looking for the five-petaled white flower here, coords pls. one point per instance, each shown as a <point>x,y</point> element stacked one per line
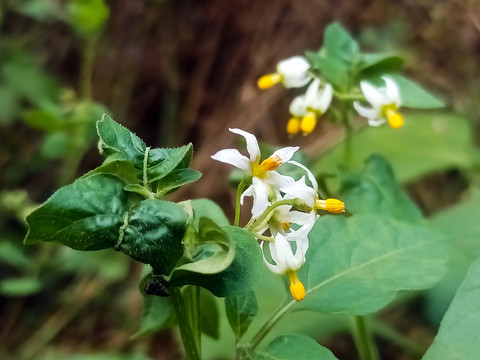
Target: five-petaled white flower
<point>291,72</point>
<point>287,261</point>
<point>306,108</point>
<point>385,102</point>
<point>263,173</point>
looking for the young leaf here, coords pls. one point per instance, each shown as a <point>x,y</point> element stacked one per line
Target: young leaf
<point>294,347</point>
<point>375,191</point>
<point>335,72</point>
<point>152,233</point>
<point>162,162</point>
<point>338,44</point>
<point>241,310</point>
<point>357,265</point>
<point>156,311</point>
<point>85,215</point>
<point>457,337</point>
<point>23,286</point>
<point>175,179</point>
<point>220,275</point>
<point>120,168</point>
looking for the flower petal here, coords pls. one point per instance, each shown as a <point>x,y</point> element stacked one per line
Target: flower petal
<point>376,122</point>
<point>285,153</point>
<point>233,157</point>
<point>252,144</point>
<point>392,90</point>
<point>260,197</point>
<point>294,71</point>
<point>309,174</point>
<point>278,181</point>
<point>325,98</point>
<point>298,107</point>
<point>366,112</point>
<point>373,95</point>
<point>273,268</point>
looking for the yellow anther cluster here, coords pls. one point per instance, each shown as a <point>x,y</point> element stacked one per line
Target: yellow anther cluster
<point>308,124</point>
<point>296,287</point>
<point>293,126</point>
<point>334,206</point>
<point>271,163</point>
<point>267,81</point>
<point>286,226</point>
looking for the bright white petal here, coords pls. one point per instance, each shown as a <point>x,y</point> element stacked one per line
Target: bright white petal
<point>366,112</point>
<point>233,157</point>
<point>392,90</point>
<point>376,122</point>
<point>312,93</point>
<point>278,181</point>
<point>260,197</point>
<point>249,192</point>
<point>300,190</point>
<point>295,217</point>
<point>298,107</point>
<point>273,268</point>
<point>252,144</point>
<point>294,71</point>
<point>373,95</point>
<point>285,153</point>
<point>309,174</point>
<point>325,98</point>
<point>304,230</point>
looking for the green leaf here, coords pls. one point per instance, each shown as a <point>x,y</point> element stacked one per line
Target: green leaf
<point>57,145</point>
<point>162,162</point>
<point>87,16</point>
<point>177,178</point>
<point>9,105</point>
<point>357,265</point>
<point>241,310</point>
<point>457,337</point>
<point>338,44</point>
<point>209,315</point>
<point>86,215</point>
<point>152,234</point>
<point>375,191</point>
<point>156,311</point>
<point>120,168</point>
<point>14,255</point>
<point>20,286</point>
<point>208,209</point>
<point>460,228</point>
<point>239,276</point>
<point>47,120</point>
<point>294,347</point>
<point>384,62</point>
<point>436,142</point>
<point>335,72</point>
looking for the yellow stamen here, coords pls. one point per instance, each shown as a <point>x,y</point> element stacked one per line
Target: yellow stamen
<point>394,118</point>
<point>286,226</point>
<point>267,81</point>
<point>308,123</point>
<point>271,163</point>
<point>334,206</point>
<point>296,287</point>
<point>293,126</point>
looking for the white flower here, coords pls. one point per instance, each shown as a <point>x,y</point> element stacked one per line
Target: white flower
<point>306,108</point>
<point>287,261</point>
<point>309,194</point>
<point>385,102</point>
<point>292,72</point>
<point>263,174</point>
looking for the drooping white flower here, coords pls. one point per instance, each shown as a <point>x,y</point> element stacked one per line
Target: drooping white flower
<point>306,108</point>
<point>309,194</point>
<point>288,261</point>
<point>263,173</point>
<point>384,101</point>
<point>291,72</point>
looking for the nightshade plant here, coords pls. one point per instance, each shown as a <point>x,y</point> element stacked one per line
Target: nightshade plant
<point>352,263</point>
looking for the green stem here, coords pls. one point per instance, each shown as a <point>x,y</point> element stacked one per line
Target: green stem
<point>265,329</point>
<point>364,340</point>
<point>86,71</point>
<point>266,213</point>
<point>348,135</point>
<point>188,337</point>
<point>241,187</point>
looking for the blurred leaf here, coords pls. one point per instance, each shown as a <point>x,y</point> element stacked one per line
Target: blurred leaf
<point>86,215</point>
<point>335,72</point>
<point>241,310</point>
<point>87,17</point>
<point>176,179</point>
<point>153,234</point>
<point>239,276</point>
<point>357,265</point>
<point>14,255</point>
<point>294,347</point>
<point>20,286</point>
<point>457,336</point>
<point>38,9</point>
<point>57,145</point>
<point>375,191</point>
<point>208,209</point>
<point>209,316</point>
<point>338,44</point>
<point>9,105</point>
<point>102,357</point>
<point>436,142</point>
<point>156,312</point>
<point>41,119</point>
<point>383,62</point>
<point>460,227</point>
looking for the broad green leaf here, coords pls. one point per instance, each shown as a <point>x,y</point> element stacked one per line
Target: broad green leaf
<point>57,145</point>
<point>14,255</point>
<point>156,311</point>
<point>383,62</point>
<point>338,44</point>
<point>335,72</point>
<point>87,16</point>
<point>85,215</point>
<point>375,191</point>
<point>457,337</point>
<point>20,286</point>
<point>120,168</point>
<point>460,227</point>
<point>152,233</point>
<point>425,144</point>
<point>207,208</point>
<point>241,310</point>
<point>41,119</point>
<point>357,265</point>
<point>163,161</point>
<point>239,276</point>
<point>177,178</point>
<point>294,347</point>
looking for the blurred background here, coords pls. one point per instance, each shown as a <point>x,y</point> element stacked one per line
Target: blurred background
<point>175,72</point>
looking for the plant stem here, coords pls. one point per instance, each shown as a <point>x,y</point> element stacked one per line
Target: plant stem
<point>188,337</point>
<point>363,340</point>
<point>86,71</point>
<point>240,189</point>
<point>266,213</point>
<point>265,329</point>
<point>348,135</point>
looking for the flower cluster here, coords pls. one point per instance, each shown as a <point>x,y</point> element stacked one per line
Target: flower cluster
<point>284,209</point>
